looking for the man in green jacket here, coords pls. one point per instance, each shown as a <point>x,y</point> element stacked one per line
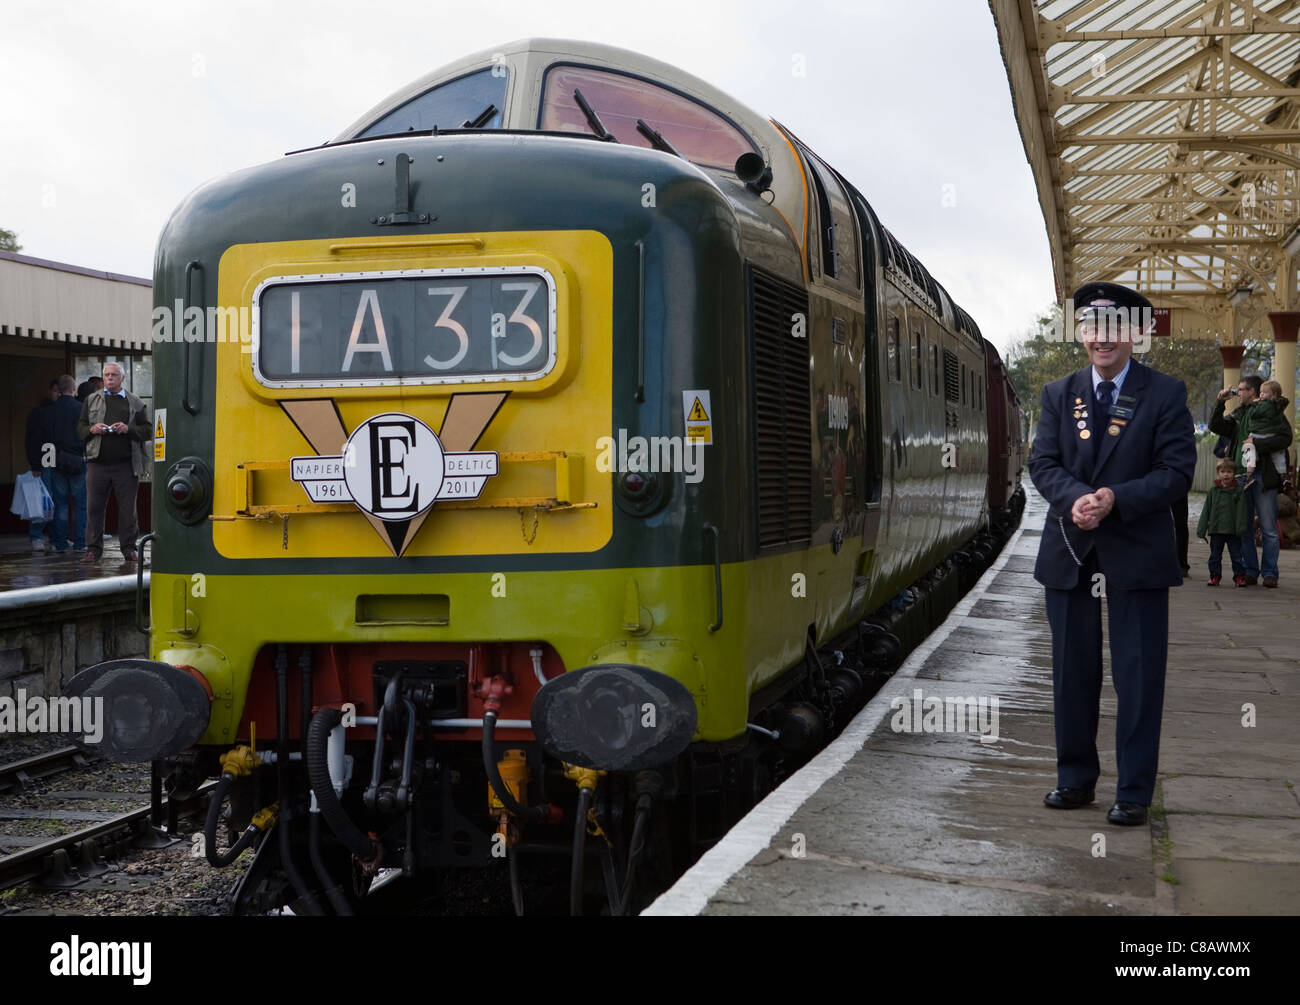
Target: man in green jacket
<point>116,428</point>
<point>1261,494</point>
<point>1223,518</point>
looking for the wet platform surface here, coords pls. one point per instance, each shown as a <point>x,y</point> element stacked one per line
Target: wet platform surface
<point>21,568</point>
<point>886,822</point>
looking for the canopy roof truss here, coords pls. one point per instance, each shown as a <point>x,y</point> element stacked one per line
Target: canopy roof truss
<point>1164,136</point>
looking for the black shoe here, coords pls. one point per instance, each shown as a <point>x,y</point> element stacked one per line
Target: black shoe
<point>1127,814</point>
<point>1068,799</point>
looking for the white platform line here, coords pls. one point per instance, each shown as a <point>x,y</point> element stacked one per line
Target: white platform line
<point>696,887</point>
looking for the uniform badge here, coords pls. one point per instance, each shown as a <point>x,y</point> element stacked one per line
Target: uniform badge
<point>1082,424</point>
<point>1113,430</point>
<point>1084,434</point>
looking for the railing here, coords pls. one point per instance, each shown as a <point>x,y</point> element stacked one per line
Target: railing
<point>567,468</point>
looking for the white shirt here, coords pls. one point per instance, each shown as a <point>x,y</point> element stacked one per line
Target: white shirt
<point>1117,380</point>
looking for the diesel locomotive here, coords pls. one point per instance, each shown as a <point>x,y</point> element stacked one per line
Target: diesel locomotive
<point>548,463</point>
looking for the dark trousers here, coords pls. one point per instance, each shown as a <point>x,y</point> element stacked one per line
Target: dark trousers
<point>1139,640</point>
<point>67,488</point>
<point>120,479</point>
<point>1179,510</point>
<point>1217,541</point>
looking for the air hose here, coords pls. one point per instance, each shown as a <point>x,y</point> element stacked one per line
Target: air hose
<point>335,895</point>
<point>306,898</point>
<point>213,820</point>
<point>318,773</point>
<point>576,872</point>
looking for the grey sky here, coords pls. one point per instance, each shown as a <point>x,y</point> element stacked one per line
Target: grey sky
<point>111,112</point>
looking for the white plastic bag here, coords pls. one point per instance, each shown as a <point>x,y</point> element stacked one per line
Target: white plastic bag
<point>32,500</point>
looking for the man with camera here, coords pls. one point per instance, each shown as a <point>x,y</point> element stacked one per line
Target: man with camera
<point>115,427</point>
<point>1261,490</point>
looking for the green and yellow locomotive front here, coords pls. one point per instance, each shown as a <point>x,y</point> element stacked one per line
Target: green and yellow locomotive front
<point>448,459</point>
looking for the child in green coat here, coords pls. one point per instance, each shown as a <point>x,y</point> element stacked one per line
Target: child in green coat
<point>1269,419</point>
<point>1223,517</point>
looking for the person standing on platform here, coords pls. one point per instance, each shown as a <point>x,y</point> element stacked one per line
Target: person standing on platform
<point>115,428</point>
<point>40,423</point>
<point>1250,424</point>
<point>1273,423</point>
<point>1113,453</point>
<point>1223,521</point>
<point>67,478</point>
<point>88,387</point>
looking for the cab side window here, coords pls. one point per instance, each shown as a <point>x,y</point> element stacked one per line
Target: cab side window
<point>918,365</point>
<point>837,242</point>
<point>893,352</point>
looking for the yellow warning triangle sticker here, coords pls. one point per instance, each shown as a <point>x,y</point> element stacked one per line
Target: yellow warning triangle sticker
<point>698,414</point>
<point>159,431</point>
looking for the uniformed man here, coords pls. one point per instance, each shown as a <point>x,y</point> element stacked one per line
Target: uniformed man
<point>1114,450</point>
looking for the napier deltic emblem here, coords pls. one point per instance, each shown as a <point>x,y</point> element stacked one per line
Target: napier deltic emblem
<point>394,467</point>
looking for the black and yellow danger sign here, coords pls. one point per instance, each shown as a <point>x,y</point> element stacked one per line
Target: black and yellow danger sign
<point>698,416</point>
<point>160,435</point>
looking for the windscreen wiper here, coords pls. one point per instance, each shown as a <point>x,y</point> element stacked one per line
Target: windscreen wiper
<point>593,119</point>
<point>480,120</point>
<point>656,138</point>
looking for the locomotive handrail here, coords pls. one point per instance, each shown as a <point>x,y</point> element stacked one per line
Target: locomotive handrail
<point>194,265</point>
<point>640,320</point>
<point>140,546</point>
<point>709,529</point>
<point>246,508</point>
<point>422,243</point>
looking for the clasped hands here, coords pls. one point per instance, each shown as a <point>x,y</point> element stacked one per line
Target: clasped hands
<point>1091,509</point>
<point>100,428</point>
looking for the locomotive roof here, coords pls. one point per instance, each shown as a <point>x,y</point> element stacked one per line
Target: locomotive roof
<point>527,61</point>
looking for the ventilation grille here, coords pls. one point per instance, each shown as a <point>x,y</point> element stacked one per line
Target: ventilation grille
<point>781,409</point>
<point>951,379</point>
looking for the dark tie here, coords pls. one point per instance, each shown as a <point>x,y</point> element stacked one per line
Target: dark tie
<point>1102,412</point>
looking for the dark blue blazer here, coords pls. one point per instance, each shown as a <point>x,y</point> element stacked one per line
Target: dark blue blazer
<point>1148,466</point>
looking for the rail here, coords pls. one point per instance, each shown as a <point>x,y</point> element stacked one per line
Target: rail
<point>17,775</point>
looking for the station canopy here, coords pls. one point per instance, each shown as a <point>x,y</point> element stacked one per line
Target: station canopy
<point>1163,139</point>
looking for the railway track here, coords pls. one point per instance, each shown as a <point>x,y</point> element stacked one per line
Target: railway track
<point>19,775</point>
<point>70,859</point>
<point>76,859</point>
